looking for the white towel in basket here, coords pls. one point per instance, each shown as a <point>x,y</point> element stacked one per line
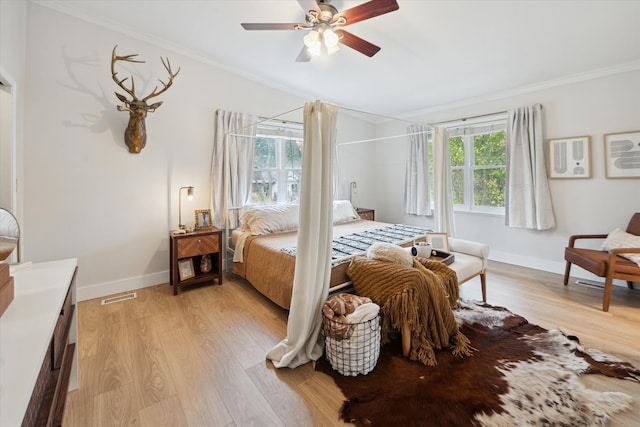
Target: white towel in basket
<point>359,353</point>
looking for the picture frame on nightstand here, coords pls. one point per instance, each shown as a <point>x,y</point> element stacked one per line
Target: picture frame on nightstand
<point>185,269</point>
<point>203,219</point>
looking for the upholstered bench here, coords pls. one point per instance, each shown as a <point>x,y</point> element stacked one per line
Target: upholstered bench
<point>470,261</point>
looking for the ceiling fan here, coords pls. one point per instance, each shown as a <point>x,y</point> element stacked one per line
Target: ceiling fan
<point>324,23</point>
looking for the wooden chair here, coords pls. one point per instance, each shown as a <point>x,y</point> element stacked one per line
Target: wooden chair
<point>605,264</point>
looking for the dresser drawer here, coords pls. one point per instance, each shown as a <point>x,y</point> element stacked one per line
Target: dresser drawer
<point>61,332</point>
<point>198,245</point>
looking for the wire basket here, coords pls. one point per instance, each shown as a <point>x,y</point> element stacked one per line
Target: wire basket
<point>352,348</point>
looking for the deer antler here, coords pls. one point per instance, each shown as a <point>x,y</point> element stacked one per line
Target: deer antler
<point>135,136</point>
<point>167,66</point>
<point>114,75</point>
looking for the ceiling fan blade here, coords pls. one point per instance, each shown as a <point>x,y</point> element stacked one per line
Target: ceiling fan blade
<point>355,42</point>
<point>272,26</point>
<point>309,5</point>
<point>367,10</point>
<point>304,55</point>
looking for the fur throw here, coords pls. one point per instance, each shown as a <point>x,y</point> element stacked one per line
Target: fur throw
<point>390,252</point>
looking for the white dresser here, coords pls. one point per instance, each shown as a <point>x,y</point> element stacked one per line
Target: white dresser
<point>38,332</point>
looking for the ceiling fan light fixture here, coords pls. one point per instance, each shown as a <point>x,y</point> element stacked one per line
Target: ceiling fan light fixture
<point>330,38</point>
<point>332,49</point>
<point>316,48</point>
<point>312,38</point>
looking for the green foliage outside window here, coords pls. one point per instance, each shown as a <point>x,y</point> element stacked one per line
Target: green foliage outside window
<point>486,169</point>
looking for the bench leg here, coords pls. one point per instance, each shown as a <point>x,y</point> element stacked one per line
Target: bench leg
<point>406,339</point>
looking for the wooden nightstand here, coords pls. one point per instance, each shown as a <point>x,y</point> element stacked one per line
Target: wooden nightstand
<point>366,213</point>
<point>188,249</point>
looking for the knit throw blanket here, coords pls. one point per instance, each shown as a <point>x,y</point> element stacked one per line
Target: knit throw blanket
<point>421,297</point>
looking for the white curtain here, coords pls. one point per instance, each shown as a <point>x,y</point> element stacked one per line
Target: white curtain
<point>442,184</point>
<point>231,164</point>
<point>528,199</point>
<point>313,262</point>
<point>417,199</point>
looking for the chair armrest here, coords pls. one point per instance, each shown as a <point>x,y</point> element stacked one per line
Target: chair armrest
<point>575,237</point>
<point>613,255</point>
<point>468,247</point>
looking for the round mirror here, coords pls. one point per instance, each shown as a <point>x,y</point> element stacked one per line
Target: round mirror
<point>9,233</point>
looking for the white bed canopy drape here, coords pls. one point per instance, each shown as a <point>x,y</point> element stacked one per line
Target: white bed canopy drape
<point>443,187</point>
<point>313,262</point>
<point>527,198</point>
<point>231,165</point>
<point>417,195</point>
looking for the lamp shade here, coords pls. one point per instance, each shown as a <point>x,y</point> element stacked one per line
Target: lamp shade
<point>189,189</point>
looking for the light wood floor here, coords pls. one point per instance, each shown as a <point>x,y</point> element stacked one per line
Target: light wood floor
<point>198,359</point>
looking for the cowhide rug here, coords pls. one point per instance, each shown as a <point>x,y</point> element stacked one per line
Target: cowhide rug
<point>521,374</point>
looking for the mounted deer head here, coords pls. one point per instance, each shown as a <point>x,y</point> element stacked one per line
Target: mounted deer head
<point>136,134</point>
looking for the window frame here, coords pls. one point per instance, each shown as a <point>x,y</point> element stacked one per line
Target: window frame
<point>468,134</point>
<point>282,132</point>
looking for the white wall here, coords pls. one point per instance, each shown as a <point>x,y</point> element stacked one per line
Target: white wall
<point>13,18</point>
<point>590,107</point>
<point>86,196</point>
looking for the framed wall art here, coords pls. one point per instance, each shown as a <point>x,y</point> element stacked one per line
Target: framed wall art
<point>570,157</point>
<point>185,269</point>
<point>622,154</point>
<point>203,218</point>
<point>439,241</point>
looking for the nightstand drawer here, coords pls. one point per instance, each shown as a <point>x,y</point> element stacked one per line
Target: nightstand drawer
<point>200,245</point>
<point>368,214</point>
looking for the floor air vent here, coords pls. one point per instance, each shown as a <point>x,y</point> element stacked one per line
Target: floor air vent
<point>119,298</point>
<point>590,283</point>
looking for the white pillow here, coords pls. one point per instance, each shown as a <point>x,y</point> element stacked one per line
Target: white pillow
<point>343,211</point>
<point>621,239</point>
<point>265,219</point>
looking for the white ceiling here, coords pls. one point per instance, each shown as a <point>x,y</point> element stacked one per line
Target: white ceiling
<point>433,52</point>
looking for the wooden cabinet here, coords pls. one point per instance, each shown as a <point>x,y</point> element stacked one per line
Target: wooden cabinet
<point>38,339</point>
<point>365,213</point>
<point>188,250</point>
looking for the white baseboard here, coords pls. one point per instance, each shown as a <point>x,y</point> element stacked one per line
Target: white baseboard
<point>100,290</point>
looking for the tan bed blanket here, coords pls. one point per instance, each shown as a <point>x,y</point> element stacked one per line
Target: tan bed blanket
<point>421,297</point>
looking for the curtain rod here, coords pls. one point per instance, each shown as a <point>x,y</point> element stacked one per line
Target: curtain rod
<point>340,144</point>
<point>379,115</point>
<point>463,119</point>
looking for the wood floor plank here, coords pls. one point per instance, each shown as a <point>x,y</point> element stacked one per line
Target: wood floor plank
<point>195,390</point>
<point>115,407</point>
<point>166,413</point>
<point>151,377</point>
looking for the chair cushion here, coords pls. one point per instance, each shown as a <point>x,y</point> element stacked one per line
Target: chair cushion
<point>466,266</point>
<point>596,261</point>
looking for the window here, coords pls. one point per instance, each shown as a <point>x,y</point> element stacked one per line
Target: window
<point>277,163</point>
<point>478,167</point>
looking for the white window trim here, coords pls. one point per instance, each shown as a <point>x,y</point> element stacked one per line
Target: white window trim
<point>281,132</point>
<point>467,132</point>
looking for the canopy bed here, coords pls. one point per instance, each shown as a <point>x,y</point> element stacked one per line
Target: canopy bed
<point>302,283</point>
<point>264,246</point>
